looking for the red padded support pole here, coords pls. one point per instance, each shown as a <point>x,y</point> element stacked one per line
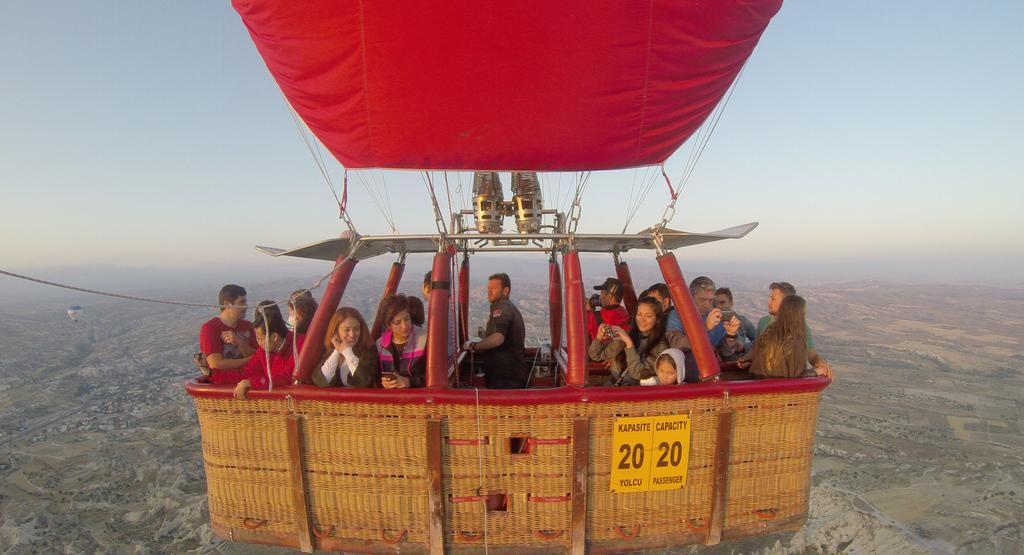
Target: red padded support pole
<point>437,321</point>
<point>693,324</point>
<point>575,327</point>
<point>464,301</point>
<point>555,304</point>
<point>394,278</point>
<point>313,349</point>
<point>628,292</point>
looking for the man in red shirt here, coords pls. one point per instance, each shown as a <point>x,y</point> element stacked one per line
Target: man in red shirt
<point>611,311</point>
<point>228,340</point>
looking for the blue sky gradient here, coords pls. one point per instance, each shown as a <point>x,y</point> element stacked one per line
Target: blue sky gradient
<point>870,139</point>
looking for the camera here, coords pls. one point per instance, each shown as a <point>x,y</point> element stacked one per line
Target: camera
<point>594,301</point>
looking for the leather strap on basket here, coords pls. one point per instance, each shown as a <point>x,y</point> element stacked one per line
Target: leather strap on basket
<point>547,499</point>
<point>486,440</point>
<point>470,536</point>
<point>466,498</point>
<point>392,540</point>
<point>548,535</point>
<point>320,534</point>
<point>253,523</point>
<point>696,525</point>
<point>766,514</point>
<point>625,536</point>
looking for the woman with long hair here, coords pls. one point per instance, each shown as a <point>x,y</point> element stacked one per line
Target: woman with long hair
<point>402,346</point>
<point>350,358</point>
<point>641,345</point>
<point>301,308</point>
<point>781,351</point>
<point>275,346</point>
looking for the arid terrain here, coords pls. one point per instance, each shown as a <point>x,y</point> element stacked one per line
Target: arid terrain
<point>919,439</point>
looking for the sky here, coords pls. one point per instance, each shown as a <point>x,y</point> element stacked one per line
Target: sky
<point>869,139</point>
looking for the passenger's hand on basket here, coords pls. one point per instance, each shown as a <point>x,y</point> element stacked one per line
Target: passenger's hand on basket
<point>240,389</point>
<point>823,368</point>
<point>200,361</point>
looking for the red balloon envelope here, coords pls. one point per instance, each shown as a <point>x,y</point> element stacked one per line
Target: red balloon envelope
<point>488,85</point>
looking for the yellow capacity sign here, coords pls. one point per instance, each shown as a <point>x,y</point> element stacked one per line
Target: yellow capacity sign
<point>650,453</point>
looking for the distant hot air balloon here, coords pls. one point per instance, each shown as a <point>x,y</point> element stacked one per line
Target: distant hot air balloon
<point>74,311</point>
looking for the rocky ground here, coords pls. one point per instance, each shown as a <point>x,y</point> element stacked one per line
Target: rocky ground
<point>919,439</point>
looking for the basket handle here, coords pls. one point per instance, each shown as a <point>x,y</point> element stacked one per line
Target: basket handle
<point>766,514</point>
<point>625,536</point>
<point>320,534</point>
<point>549,535</point>
<point>392,540</point>
<point>253,523</point>
<point>691,523</point>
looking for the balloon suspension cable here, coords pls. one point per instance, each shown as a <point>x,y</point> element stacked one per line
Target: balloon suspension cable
<point>311,288</point>
<point>313,146</point>
<point>637,197</point>
<point>703,137</point>
<point>438,217</point>
<point>670,210</point>
<point>343,203</point>
<point>379,198</point>
<point>577,209</point>
<point>448,194</point>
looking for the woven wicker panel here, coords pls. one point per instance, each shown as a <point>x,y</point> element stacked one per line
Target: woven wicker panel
<point>365,468</point>
<point>770,460</point>
<point>656,512</point>
<point>251,498</point>
<point>245,452</point>
<point>472,469</point>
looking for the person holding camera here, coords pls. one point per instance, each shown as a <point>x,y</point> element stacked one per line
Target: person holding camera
<point>606,307</point>
<point>633,354</point>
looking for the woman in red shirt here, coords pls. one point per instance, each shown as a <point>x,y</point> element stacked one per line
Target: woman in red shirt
<point>275,345</point>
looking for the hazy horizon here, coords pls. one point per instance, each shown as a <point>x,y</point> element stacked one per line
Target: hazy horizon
<point>200,283</point>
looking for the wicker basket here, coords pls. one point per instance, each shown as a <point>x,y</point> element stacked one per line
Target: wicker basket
<point>460,470</point>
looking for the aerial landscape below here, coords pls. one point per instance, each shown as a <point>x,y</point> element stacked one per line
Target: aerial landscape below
<point>918,446</point>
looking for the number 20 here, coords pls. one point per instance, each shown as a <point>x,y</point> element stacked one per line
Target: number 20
<point>631,454</point>
<point>674,454</point>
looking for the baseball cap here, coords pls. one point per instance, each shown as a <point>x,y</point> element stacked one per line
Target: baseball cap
<point>612,286</point>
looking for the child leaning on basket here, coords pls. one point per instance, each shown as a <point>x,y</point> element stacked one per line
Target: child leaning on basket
<point>350,357</point>
<point>667,368</point>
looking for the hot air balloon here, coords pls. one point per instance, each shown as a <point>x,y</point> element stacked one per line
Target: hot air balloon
<point>520,87</point>
<point>74,311</point>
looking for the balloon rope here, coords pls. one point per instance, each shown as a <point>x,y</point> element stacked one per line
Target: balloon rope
<point>698,151</point>
<point>315,285</point>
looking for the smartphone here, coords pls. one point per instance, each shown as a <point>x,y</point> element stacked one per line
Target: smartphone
<point>727,315</point>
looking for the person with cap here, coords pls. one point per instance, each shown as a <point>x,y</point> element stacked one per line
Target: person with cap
<point>606,308</point>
